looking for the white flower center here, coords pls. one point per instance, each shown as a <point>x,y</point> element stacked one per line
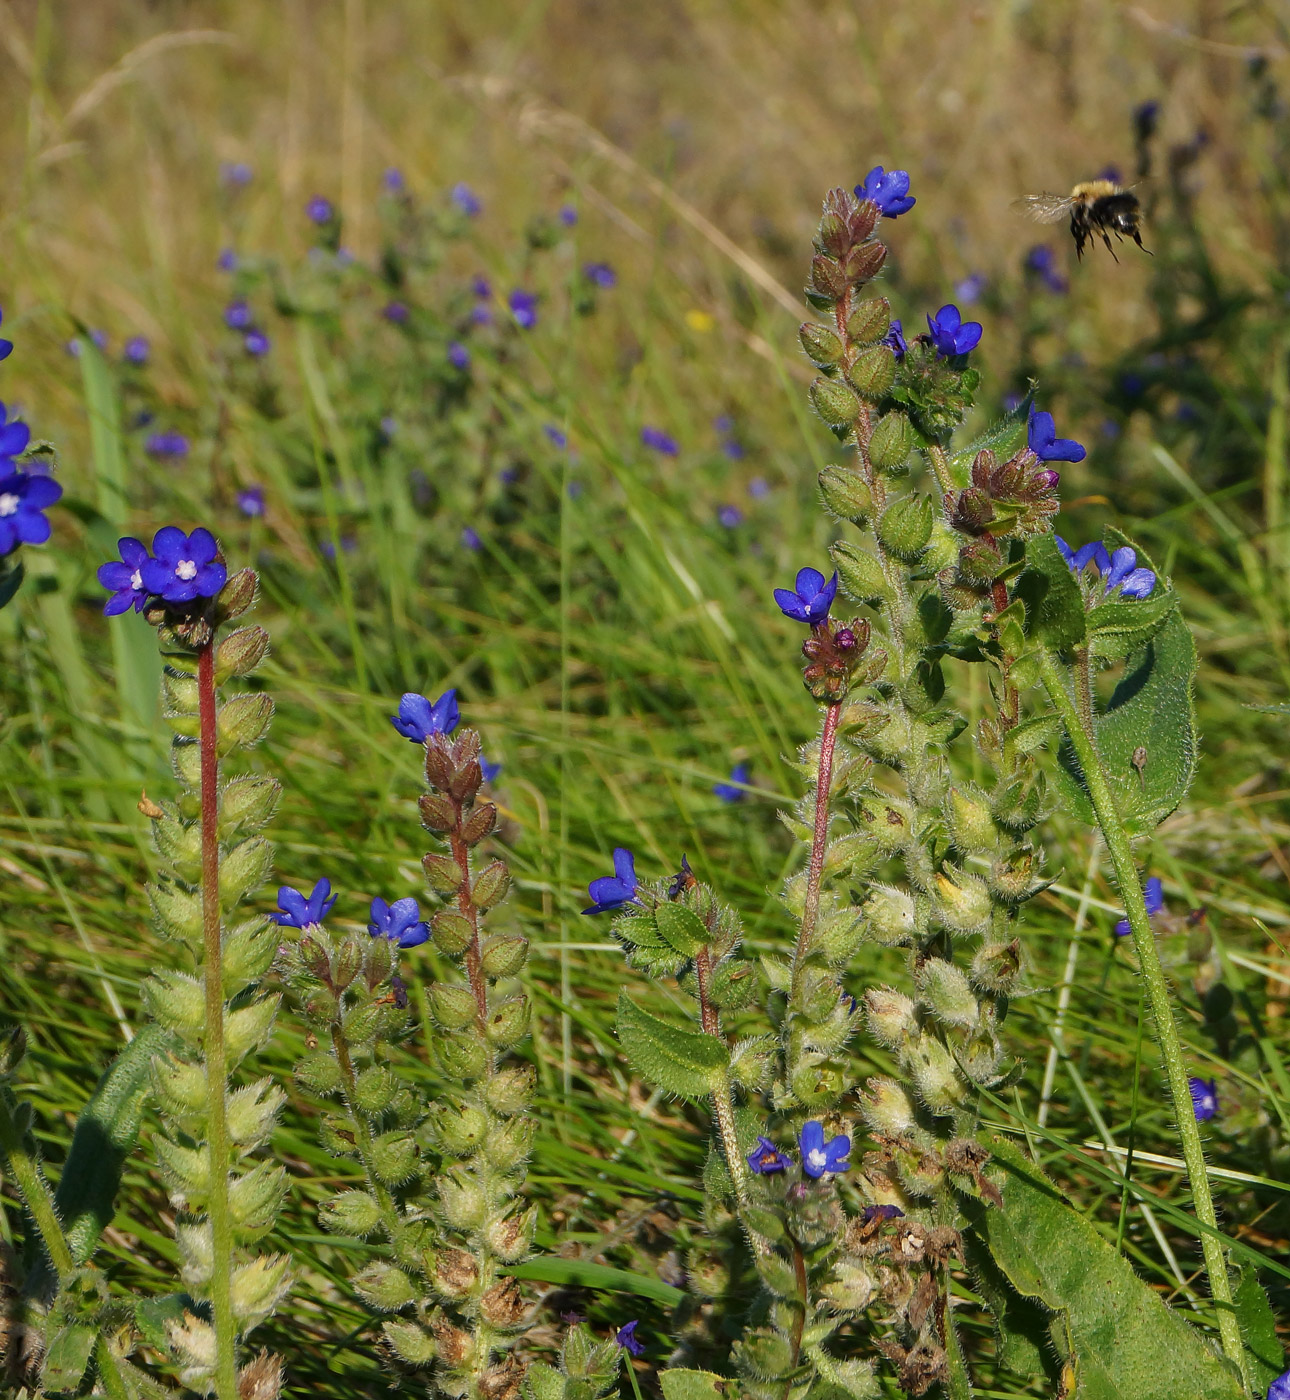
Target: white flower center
<point>186,570</point>
<point>818,1158</point>
<point>9,503</point>
<point>136,580</point>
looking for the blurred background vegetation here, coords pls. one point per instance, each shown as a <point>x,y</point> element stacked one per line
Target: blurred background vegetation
<point>603,605</point>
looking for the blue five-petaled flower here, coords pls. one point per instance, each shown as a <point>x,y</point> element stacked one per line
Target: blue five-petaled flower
<point>14,437</point>
<point>1042,439</point>
<point>627,1339</point>
<point>296,911</point>
<point>1120,570</point>
<point>1280,1388</point>
<point>23,501</point>
<point>889,190</point>
<point>611,892</point>
<point>1204,1098</point>
<point>766,1159</point>
<point>819,1156</point>
<point>123,578</point>
<point>895,340</point>
<point>418,718</point>
<point>810,597</point>
<point>733,790</point>
<point>1153,896</point>
<point>951,334</point>
<point>6,346</point>
<point>400,922</point>
<point>183,567</point>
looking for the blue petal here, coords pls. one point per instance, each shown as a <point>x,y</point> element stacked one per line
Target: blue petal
<point>790,604</point>
<point>625,866</point>
<point>1122,563</point>
<point>1139,584</point>
<point>809,582</point>
<point>1153,894</point>
<point>1063,450</point>
<point>1064,549</point>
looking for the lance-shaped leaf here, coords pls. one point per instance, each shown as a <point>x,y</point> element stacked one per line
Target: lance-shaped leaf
<point>682,928</point>
<point>67,1357</point>
<point>106,1132</point>
<point>1003,438</point>
<point>1054,605</point>
<point>1125,1343</point>
<point>1264,1359</point>
<point>681,1383</point>
<point>1146,736</point>
<point>687,1063</point>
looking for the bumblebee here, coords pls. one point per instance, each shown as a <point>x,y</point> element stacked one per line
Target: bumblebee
<point>1096,208</point>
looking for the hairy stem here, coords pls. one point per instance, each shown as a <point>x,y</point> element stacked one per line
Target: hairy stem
<point>109,1370</point>
<point>466,904</point>
<point>1153,976</point>
<point>216,1071</point>
<point>22,1164</point>
<point>363,1133</point>
<point>1084,689</point>
<point>939,460</point>
<point>723,1100</point>
<point>820,836</point>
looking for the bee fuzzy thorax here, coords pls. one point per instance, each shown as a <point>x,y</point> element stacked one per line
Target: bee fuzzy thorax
<point>1096,189</point>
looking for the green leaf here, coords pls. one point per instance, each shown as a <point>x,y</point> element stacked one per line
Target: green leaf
<point>1118,625</point>
<point>687,1063</point>
<point>1003,438</point>
<point>1022,1341</point>
<point>11,575</point>
<point>151,1316</point>
<point>1125,1343</point>
<point>106,1132</point>
<point>639,930</point>
<point>1264,1359</point>
<point>1152,709</point>
<point>580,1273</point>
<point>680,1383</point>
<point>67,1357</point>
<point>1054,605</point>
<point>682,928</point>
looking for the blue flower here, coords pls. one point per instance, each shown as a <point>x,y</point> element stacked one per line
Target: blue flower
<point>1042,261</point>
<point>895,338</point>
<point>458,355</point>
<point>14,437</point>
<point>889,190</point>
<point>250,501</point>
<point>320,210</point>
<point>730,516</point>
<point>600,274</point>
<point>183,567</point>
<point>951,334</point>
<point>465,199</point>
<point>1204,1098</point>
<point>1124,574</point>
<point>660,441</point>
<point>969,288</point>
<point>237,315</point>
<point>759,488</point>
<point>295,911</point>
<point>166,445</point>
<point>627,1339</point>
<point>100,339</point>
<point>810,598</point>
<point>524,308</point>
<point>256,343</point>
<point>227,260</point>
<point>481,288</point>
<point>489,770</point>
<point>392,180</point>
<point>123,578</point>
<point>872,1213</point>
<point>1280,1388</point>
<point>734,449</point>
<point>395,312</point>
<point>555,436</point>
<point>136,350</point>
<point>400,922</point>
<point>1153,895</point>
<point>733,791</point>
<point>568,215</point>
<point>6,346</point>
<point>23,501</point>
<point>819,1156</point>
<point>723,423</point>
<point>470,538</point>
<point>766,1159</point>
<point>235,173</point>
<point>611,892</point>
<point>418,718</point>
<point>1041,436</point>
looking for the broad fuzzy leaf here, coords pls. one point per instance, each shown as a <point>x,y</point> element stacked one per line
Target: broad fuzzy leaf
<point>1003,438</point>
<point>1125,1343</point>
<point>1264,1359</point>
<point>681,928</point>
<point>1054,605</point>
<point>1152,709</point>
<point>686,1063</point>
<point>1118,626</point>
<point>681,1383</point>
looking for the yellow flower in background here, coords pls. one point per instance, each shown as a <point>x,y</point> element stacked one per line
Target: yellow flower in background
<point>700,321</point>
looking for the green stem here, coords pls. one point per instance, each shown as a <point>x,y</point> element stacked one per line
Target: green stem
<point>723,1102</point>
<point>109,1370</point>
<point>819,838</point>
<point>1153,976</point>
<point>940,464</point>
<point>24,1167</point>
<point>363,1135</point>
<point>216,1068</point>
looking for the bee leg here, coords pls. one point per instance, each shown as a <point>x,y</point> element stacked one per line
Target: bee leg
<point>1137,238</point>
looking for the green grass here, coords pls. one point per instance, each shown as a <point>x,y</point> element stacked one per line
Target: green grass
<point>617,648</point>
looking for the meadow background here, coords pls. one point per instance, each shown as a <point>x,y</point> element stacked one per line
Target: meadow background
<point>603,606</point>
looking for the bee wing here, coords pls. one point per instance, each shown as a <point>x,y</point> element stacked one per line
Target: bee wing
<point>1045,208</point>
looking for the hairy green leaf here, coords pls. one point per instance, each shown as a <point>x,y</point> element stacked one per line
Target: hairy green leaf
<point>1264,1359</point>
<point>1002,437</point>
<point>687,1063</point>
<point>681,1383</point>
<point>581,1273</point>
<point>1115,628</point>
<point>681,928</point>
<point>67,1357</point>
<point>1125,1343</point>
<point>1054,605</point>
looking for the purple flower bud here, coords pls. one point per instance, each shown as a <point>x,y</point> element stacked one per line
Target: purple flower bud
<point>392,180</point>
<point>895,338</point>
<point>465,200</point>
<point>136,350</point>
<point>237,315</point>
<point>524,308</point>
<point>660,441</point>
<point>600,274</point>
<point>396,312</point>
<point>320,210</point>
<point>257,343</point>
<point>458,355</point>
<point>730,516</point>
<point>250,501</point>
<point>470,538</point>
<point>227,260</point>
<point>568,215</point>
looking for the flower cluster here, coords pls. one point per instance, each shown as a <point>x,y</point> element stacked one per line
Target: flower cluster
<point>25,496</point>
<point>181,568</point>
<point>819,1157</point>
<point>1117,572</point>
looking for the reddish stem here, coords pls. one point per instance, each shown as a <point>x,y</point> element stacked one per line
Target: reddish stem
<point>473,959</point>
<point>820,838</point>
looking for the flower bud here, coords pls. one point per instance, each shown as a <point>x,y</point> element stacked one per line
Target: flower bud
<point>887,1107</point>
<point>906,526</point>
<point>996,967</point>
<point>386,1288</point>
<point>394,1158</point>
<point>503,957</point>
<point>374,1090</point>
<point>511,1239</point>
<point>452,932</point>
<point>491,885</point>
<point>944,989</point>
<point>508,1144</point>
<point>451,1004</point>
<point>827,276</point>
<point>963,901</point>
<point>438,813</point>
<point>346,963</point>
<point>865,261</point>
<point>413,1344</point>
<point>860,575</point>
<point>971,823</point>
<point>252,1112</point>
<point>892,440</point>
<point>508,1022</point>
<point>177,912</point>
<point>320,1073</point>
<point>846,494</point>
<point>180,1086</point>
<point>243,870</point>
<point>834,402</point>
<point>461,1200</point>
<point>351,1213</point>
<point>443,873</point>
<point>247,803</point>
<point>891,1016</point>
<point>869,321</point>
<point>1011,877</point>
<point>459,1129</point>
<point>479,824</point>
<point>240,653</point>
<point>503,1305</point>
<point>254,1200</point>
<point>462,1055</point>
<point>764,1354</point>
<point>822,344</point>
<point>177,1001</point>
<point>249,951</point>
<point>733,985</point>
<point>936,1077</point>
<point>873,373</point>
<point>237,595</point>
<point>889,916</point>
<point>196,1252</point>
<point>187,1170</point>
<point>378,962</point>
<point>511,1090</point>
